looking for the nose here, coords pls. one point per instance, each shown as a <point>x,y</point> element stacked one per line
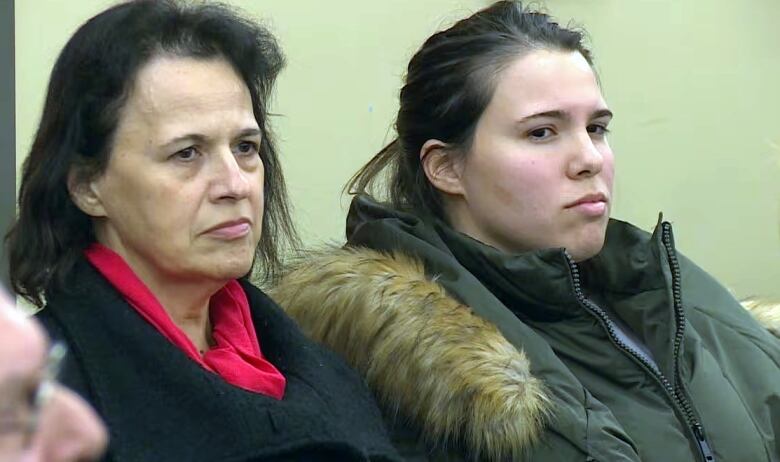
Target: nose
<point>586,160</point>
<point>69,430</point>
<point>230,180</point>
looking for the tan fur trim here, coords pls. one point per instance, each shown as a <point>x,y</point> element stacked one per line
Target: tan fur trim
<point>424,354</point>
<point>766,312</point>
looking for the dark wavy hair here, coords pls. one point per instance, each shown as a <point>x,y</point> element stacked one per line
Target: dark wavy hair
<point>89,85</point>
<point>448,84</point>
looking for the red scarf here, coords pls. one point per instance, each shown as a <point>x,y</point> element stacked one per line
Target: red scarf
<point>236,356</point>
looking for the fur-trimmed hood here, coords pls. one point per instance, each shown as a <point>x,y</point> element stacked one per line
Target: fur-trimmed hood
<point>430,360</point>
<point>427,357</point>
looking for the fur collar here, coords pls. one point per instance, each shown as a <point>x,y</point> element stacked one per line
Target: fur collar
<point>766,312</point>
<point>427,357</point>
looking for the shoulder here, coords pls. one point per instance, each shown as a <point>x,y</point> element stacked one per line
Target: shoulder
<point>71,372</point>
<point>301,359</point>
<point>276,330</point>
<point>50,322</point>
<point>422,352</point>
<point>283,342</point>
<point>710,302</point>
<point>260,302</point>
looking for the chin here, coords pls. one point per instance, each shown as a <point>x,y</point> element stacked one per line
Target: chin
<point>588,242</point>
<point>231,266</point>
<point>585,251</point>
<point>238,269</point>
<point>225,273</point>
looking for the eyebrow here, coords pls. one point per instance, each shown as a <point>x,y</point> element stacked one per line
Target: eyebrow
<point>198,138</point>
<point>565,115</point>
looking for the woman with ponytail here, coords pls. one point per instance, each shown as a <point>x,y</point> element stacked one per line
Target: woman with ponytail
<point>490,302</point>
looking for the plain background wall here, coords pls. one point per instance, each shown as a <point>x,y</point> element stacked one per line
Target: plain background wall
<point>695,85</point>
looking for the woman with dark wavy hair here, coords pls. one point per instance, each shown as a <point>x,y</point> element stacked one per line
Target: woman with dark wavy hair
<point>491,303</point>
<point>151,189</point>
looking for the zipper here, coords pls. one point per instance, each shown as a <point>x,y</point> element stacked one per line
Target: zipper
<point>693,421</point>
<point>675,393</point>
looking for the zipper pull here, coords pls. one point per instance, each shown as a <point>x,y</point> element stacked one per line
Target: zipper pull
<point>704,447</point>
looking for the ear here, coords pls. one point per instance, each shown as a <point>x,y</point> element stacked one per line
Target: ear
<point>84,193</point>
<point>442,170</point>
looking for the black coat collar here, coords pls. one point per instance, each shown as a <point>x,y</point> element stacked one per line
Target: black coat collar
<point>160,405</point>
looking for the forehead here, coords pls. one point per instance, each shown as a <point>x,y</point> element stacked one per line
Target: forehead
<point>545,80</point>
<point>178,88</point>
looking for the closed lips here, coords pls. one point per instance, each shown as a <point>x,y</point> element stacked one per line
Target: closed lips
<point>590,198</point>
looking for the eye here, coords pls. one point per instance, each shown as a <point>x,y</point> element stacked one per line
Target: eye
<point>187,154</point>
<point>598,129</point>
<point>246,148</point>
<point>541,134</point>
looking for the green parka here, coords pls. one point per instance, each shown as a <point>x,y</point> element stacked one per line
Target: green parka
<point>476,354</point>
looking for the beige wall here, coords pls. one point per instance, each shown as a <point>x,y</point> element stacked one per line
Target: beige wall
<point>693,84</point>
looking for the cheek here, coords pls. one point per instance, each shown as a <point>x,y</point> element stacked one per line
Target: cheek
<point>608,170</point>
<point>260,183</point>
<point>159,208</point>
<point>166,203</point>
<point>523,183</point>
<point>123,190</point>
<point>258,190</point>
<point>257,200</point>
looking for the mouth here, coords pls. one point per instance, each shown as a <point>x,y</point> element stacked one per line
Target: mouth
<point>232,229</point>
<point>590,205</point>
<point>588,199</point>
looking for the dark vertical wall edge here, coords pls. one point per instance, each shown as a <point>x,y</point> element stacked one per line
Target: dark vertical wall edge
<point>7,128</point>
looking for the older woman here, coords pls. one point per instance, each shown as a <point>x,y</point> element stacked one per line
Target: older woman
<point>151,188</point>
<point>491,303</point>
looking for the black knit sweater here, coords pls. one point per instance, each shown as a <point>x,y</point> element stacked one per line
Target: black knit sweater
<point>159,405</point>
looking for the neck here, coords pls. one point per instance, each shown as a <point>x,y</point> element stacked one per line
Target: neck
<point>459,218</point>
<point>188,307</point>
<point>185,299</point>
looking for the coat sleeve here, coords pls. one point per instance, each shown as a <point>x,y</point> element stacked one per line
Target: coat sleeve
<point>747,352</point>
